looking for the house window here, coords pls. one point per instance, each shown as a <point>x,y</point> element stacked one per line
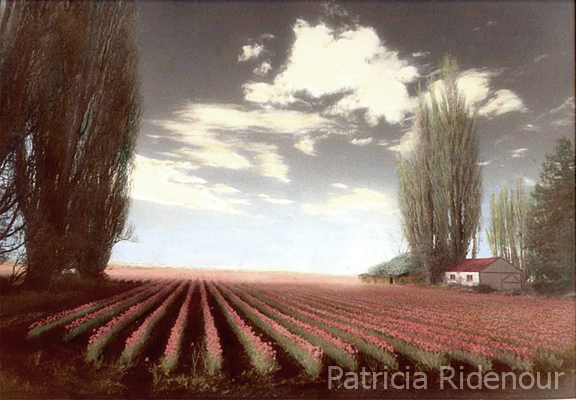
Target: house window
<point>452,277</point>
<point>469,278</point>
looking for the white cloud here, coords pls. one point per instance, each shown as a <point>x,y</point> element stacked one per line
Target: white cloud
<point>210,136</point>
<point>250,51</point>
<point>272,200</point>
<point>568,105</point>
<point>263,69</point>
<point>169,182</point>
<point>272,165</point>
<point>419,54</point>
<point>530,128</point>
<point>267,36</point>
<point>169,155</point>
<point>566,113</point>
<point>504,101</point>
<point>475,85</point>
<point>484,163</point>
<point>340,186</point>
<point>233,117</point>
<point>353,63</point>
<point>518,153</point>
<point>217,154</point>
<point>383,143</point>
<point>360,200</point>
<point>563,122</point>
<point>407,143</point>
<point>362,142</point>
<point>306,145</point>
<point>528,181</point>
<point>222,188</point>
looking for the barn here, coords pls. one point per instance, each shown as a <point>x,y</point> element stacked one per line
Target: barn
<point>402,269</point>
<point>495,272</point>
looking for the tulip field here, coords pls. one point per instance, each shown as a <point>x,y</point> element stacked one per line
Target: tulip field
<point>219,327</point>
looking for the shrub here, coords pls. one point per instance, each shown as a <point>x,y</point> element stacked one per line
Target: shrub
<point>482,288</point>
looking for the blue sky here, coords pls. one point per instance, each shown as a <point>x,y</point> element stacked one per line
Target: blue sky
<point>270,131</point>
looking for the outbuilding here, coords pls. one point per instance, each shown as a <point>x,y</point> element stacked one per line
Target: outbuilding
<point>495,272</point>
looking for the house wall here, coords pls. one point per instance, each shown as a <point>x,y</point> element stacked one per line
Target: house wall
<point>380,280</point>
<point>461,278</point>
<point>502,275</point>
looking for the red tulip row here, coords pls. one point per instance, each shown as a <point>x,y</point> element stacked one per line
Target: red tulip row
<point>40,327</point>
<point>533,322</point>
<point>213,350</point>
<point>478,331</point>
<point>138,338</point>
<point>262,355</point>
<point>424,347</point>
<point>304,352</point>
<point>340,350</point>
<point>370,344</point>
<point>102,315</point>
<point>429,337</point>
<point>105,333</point>
<point>172,351</point>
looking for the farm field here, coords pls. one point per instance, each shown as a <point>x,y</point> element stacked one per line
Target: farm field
<point>186,333</point>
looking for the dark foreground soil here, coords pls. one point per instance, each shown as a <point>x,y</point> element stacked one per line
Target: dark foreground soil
<point>45,368</point>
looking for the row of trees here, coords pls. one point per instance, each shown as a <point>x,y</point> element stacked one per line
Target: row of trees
<point>506,234</point>
<point>440,195</point>
<point>69,95</point>
<point>536,233</point>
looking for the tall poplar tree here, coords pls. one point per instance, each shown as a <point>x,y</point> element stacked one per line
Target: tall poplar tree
<point>440,179</point>
<point>507,231</point>
<point>71,106</point>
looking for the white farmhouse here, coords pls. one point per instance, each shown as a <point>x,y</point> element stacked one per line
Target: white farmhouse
<point>495,272</point>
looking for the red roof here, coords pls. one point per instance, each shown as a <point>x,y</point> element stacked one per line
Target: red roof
<point>473,264</point>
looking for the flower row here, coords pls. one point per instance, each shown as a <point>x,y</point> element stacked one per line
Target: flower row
<point>370,344</point>
<point>390,323</point>
<point>92,320</point>
<point>40,327</point>
<point>213,350</point>
<point>172,351</point>
<point>262,355</point>
<point>138,338</point>
<point>304,352</point>
<point>545,323</point>
<point>333,346</point>
<point>465,346</point>
<point>105,333</point>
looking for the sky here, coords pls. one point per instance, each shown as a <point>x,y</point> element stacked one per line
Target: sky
<point>270,131</point>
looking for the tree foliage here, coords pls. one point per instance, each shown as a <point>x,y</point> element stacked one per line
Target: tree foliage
<point>507,231</point>
<point>71,108</point>
<point>550,220</point>
<point>440,179</point>
<point>404,263</point>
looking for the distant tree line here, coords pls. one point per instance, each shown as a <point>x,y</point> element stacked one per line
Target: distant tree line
<point>69,95</point>
<point>537,233</point>
<point>507,232</point>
